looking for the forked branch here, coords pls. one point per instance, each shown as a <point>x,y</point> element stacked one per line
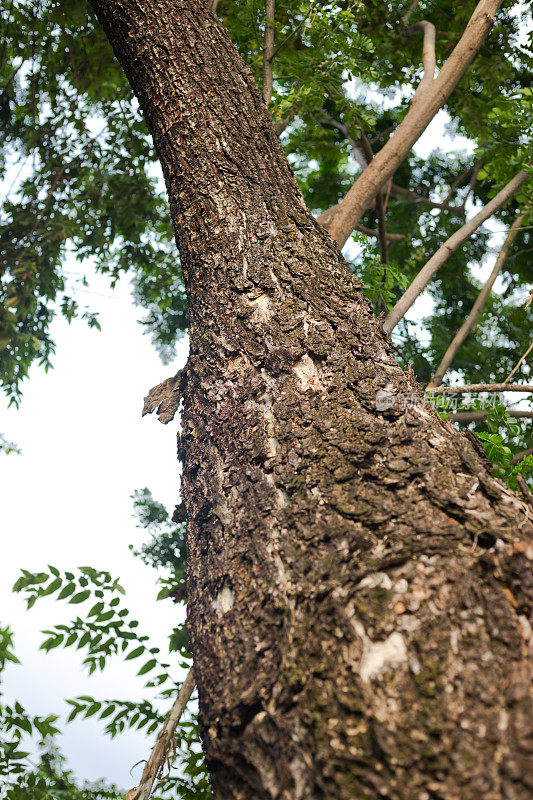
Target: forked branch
<point>429,97</point>
<point>448,248</point>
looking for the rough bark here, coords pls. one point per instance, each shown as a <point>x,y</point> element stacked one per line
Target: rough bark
<point>357,581</point>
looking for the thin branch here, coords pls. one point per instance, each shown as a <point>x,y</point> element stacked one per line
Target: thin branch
<point>475,416</point>
<point>406,17</point>
<point>268,50</point>
<point>448,248</point>
<point>400,191</point>
<point>155,764</point>
<point>473,180</point>
<point>518,457</point>
<point>481,387</point>
<point>481,299</point>
<point>359,153</point>
<point>429,97</point>
<point>364,158</point>
<point>459,179</point>
<point>520,361</point>
<point>429,60</point>
<point>213,5</point>
<point>520,253</point>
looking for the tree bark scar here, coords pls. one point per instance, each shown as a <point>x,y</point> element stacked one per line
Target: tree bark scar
<point>349,639</point>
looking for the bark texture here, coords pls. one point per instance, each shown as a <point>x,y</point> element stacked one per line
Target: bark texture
<point>358,585</point>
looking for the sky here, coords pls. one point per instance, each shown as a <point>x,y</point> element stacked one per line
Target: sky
<point>66,501</point>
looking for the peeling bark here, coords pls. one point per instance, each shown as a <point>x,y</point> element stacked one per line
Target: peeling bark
<point>358,584</point>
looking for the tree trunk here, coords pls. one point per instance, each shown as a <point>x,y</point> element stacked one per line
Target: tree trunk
<point>358,583</point>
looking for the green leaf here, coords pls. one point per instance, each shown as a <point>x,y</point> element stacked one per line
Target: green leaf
<point>80,597</point>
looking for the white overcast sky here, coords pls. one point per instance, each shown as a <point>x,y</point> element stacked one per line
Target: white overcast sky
<point>66,501</point>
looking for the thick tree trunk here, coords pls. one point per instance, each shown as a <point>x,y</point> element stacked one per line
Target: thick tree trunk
<point>358,583</point>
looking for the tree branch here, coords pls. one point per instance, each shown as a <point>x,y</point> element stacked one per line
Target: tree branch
<point>268,50</point>
<point>364,158</point>
<point>521,455</point>
<point>481,299</point>
<point>391,237</point>
<point>155,764</point>
<point>406,17</point>
<point>481,387</point>
<point>448,248</point>
<point>429,97</point>
<point>457,180</point>
<point>524,488</point>
<point>508,378</point>
<point>475,416</point>
<point>400,191</point>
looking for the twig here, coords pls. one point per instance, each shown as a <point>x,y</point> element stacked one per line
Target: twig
<point>213,5</point>
<point>155,764</point>
<point>481,299</point>
<point>480,387</point>
<point>448,248</point>
<point>407,15</point>
<point>268,50</point>
<point>523,357</point>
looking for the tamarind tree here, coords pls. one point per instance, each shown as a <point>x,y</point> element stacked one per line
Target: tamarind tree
<point>358,580</point>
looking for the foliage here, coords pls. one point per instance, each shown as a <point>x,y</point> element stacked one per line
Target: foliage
<point>85,183</point>
<point>105,630</point>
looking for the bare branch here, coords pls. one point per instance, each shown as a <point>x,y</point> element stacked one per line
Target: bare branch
<point>508,378</point>
<point>406,17</point>
<point>268,50</point>
<point>481,299</point>
<point>480,387</point>
<point>473,180</point>
<point>429,97</point>
<point>521,455</point>
<point>400,191</point>
<point>448,248</point>
<point>475,416</point>
<point>457,180</point>
<point>155,764</point>
<point>213,5</point>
